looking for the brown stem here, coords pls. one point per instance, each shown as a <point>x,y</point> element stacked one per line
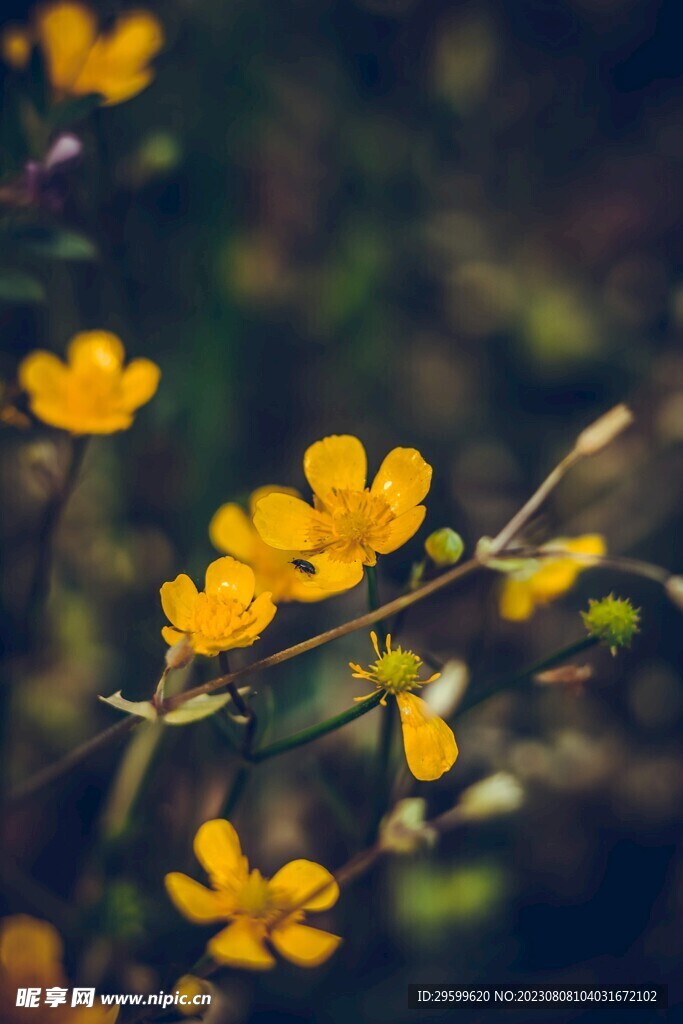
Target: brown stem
<point>55,771</point>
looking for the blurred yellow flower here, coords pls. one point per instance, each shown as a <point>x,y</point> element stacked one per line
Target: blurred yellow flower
<point>349,522</point>
<point>91,393</point>
<point>79,59</point>
<point>232,530</point>
<point>523,591</point>
<point>223,616</point>
<point>429,742</point>
<point>262,912</point>
<point>31,957</point>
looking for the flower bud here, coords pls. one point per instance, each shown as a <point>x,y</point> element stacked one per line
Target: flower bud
<point>445,693</point>
<point>404,829</point>
<point>565,675</point>
<point>674,590</point>
<point>603,431</point>
<point>192,988</point>
<point>498,794</point>
<point>444,547</point>
<point>180,654</point>
<point>613,620</point>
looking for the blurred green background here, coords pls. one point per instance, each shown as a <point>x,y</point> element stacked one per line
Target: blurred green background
<point>453,226</point>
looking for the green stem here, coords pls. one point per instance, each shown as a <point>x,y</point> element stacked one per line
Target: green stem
<point>235,793</point>
<point>473,698</point>
<point>373,589</point>
<point>245,710</point>
<point>373,598</point>
<point>382,770</point>
<point>314,732</point>
<point>40,583</point>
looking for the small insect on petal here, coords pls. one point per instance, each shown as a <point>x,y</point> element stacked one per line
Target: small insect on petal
<point>304,566</point>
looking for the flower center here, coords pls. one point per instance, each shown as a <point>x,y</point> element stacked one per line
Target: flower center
<point>216,616</point>
<point>397,671</point>
<point>354,523</point>
<point>255,897</point>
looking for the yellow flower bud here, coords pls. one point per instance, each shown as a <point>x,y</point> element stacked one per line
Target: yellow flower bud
<point>444,547</point>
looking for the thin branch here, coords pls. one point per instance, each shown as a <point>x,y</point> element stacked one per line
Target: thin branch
<point>55,771</point>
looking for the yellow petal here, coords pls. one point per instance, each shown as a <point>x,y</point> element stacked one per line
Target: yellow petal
<point>139,382</point>
<point>232,531</point>
<point>230,578</point>
<point>178,599</point>
<point>261,613</point>
<point>114,88</point>
<point>194,901</point>
<point>285,522</point>
<point>263,492</point>
<point>96,350</point>
<point>30,948</point>
<point>400,530</point>
<point>116,66</point>
<point>67,32</point>
<point>429,743</point>
<point>171,635</point>
<point>242,944</point>
<point>403,480</point>
<point>338,461</point>
<point>133,41</point>
<point>42,373</point>
<point>553,578</point>
<point>217,848</point>
<point>304,878</point>
<point>330,578</point>
<point>16,43</point>
<point>587,544</point>
<point>307,947</point>
<point>516,600</point>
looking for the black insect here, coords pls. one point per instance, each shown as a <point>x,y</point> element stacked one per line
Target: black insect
<point>303,566</point>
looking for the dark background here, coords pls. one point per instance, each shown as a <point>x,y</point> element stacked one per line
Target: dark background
<point>453,226</point>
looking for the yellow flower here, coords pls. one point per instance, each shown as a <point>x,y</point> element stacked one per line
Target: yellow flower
<point>262,912</point>
<point>91,393</point>
<point>31,956</point>
<point>349,522</point>
<point>522,592</point>
<point>429,743</point>
<point>79,59</point>
<point>223,616</point>
<point>232,530</point>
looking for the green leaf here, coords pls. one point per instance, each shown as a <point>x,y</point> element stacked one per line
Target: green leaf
<point>20,288</point>
<point>197,708</point>
<point>140,708</point>
<point>54,243</point>
<point>71,111</point>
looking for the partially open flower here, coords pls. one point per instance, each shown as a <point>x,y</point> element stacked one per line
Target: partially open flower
<point>349,522</point>
<point>92,393</point>
<point>262,912</point>
<point>288,575</point>
<point>547,578</point>
<point>429,743</point>
<point>223,616</point>
<point>79,58</point>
